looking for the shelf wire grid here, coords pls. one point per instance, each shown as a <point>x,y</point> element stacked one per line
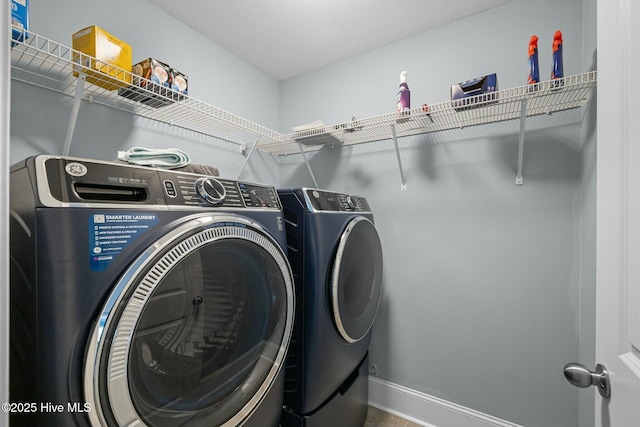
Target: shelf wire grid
<point>542,98</point>
<point>48,64</point>
<point>45,63</point>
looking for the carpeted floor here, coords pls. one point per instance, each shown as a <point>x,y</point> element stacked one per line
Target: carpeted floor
<point>378,418</point>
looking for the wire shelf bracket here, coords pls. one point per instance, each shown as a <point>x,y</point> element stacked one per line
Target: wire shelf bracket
<point>523,121</point>
<point>394,137</point>
<point>246,160</point>
<point>306,161</point>
<point>77,99</point>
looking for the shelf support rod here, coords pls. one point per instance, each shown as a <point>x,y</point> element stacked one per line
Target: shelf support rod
<point>306,161</point>
<point>523,120</point>
<point>74,114</point>
<point>403,187</point>
<point>246,161</point>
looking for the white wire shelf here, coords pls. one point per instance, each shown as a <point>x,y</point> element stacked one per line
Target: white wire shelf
<point>543,98</point>
<point>48,64</point>
<point>45,63</point>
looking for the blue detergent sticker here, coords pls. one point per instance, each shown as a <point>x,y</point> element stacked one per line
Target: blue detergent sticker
<point>111,233</point>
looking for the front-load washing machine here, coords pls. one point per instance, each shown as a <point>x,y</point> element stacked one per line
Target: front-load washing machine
<point>145,297</point>
<point>336,256</point>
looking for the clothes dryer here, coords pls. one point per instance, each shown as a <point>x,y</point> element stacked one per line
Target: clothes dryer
<point>336,256</point>
<point>145,297</point>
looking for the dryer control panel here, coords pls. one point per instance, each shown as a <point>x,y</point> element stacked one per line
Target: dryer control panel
<point>321,200</point>
<point>67,181</point>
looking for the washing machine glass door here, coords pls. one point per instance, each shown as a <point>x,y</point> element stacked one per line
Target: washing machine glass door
<point>356,282</point>
<point>195,331</point>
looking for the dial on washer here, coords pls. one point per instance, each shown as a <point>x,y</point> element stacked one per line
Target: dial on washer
<point>210,190</point>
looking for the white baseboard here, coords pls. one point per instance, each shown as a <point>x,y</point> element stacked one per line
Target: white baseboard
<point>426,410</point>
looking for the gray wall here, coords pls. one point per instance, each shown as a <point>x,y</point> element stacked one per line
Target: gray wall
<point>39,119</point>
<point>486,283</point>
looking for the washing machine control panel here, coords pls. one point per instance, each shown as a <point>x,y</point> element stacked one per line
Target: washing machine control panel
<point>199,190</point>
<point>320,200</point>
<point>259,196</point>
<point>73,181</point>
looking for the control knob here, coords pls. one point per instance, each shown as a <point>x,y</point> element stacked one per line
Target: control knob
<point>210,190</point>
<point>351,204</point>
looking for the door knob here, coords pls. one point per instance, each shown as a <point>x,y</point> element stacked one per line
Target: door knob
<point>580,376</point>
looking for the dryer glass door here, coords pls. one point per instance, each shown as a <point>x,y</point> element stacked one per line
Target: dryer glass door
<point>356,284</point>
<point>197,334</point>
